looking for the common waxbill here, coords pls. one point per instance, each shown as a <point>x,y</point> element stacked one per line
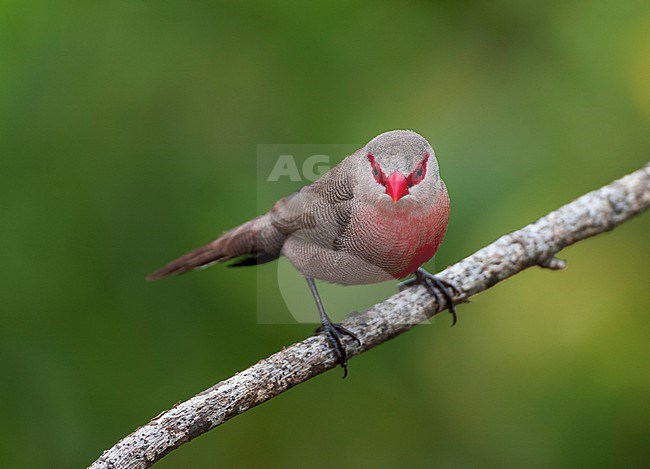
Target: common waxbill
<point>378,215</point>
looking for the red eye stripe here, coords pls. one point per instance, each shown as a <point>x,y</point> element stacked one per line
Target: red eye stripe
<point>420,171</point>
<point>377,172</point>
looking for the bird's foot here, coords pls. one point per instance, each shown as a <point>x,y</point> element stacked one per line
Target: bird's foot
<point>435,286</point>
<point>334,332</point>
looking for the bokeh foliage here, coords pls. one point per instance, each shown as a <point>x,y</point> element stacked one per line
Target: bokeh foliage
<point>128,134</point>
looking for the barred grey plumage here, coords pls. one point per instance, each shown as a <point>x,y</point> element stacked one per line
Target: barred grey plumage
<point>378,215</point>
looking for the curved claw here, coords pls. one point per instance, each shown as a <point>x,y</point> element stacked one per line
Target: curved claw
<point>346,331</point>
<point>334,333</point>
<point>334,336</point>
<point>435,286</point>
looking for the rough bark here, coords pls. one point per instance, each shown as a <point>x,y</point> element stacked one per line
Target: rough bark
<point>535,244</point>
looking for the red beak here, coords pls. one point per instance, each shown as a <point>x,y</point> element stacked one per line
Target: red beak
<point>396,186</point>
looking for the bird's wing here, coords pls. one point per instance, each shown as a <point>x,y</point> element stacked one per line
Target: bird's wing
<point>321,212</point>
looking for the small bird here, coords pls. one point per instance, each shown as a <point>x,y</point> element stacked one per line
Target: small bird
<point>378,215</point>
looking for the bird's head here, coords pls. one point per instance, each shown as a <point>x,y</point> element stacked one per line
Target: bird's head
<point>400,163</point>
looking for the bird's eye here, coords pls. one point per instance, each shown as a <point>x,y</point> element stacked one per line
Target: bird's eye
<point>417,175</point>
<point>377,172</point>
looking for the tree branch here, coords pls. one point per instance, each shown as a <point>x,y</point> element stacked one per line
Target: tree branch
<point>535,244</point>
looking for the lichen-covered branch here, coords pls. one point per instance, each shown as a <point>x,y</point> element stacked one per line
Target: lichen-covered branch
<point>535,244</point>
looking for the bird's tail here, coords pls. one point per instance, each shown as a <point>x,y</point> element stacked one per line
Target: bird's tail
<point>255,239</point>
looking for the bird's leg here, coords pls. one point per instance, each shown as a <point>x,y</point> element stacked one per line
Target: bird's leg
<point>331,330</point>
<point>435,287</point>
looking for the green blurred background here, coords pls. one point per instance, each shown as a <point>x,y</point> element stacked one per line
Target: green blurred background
<point>128,134</point>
